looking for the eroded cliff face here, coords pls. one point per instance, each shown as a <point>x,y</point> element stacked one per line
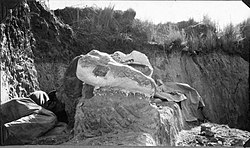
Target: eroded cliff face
<point>220,78</point>
<point>222,81</point>
<point>56,46</point>
<point>36,55</point>
<point>18,73</point>
<point>50,75</point>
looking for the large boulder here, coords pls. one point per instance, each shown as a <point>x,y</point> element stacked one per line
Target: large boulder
<point>73,88</point>
<point>119,111</point>
<point>113,103</point>
<point>100,69</point>
<point>114,117</point>
<point>118,114</point>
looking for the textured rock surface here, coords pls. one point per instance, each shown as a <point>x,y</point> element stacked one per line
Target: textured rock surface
<point>112,117</point>
<point>99,69</point>
<point>71,90</point>
<point>135,59</point>
<point>172,119</point>
<point>119,111</point>
<point>221,80</point>
<point>50,75</point>
<point>18,73</point>
<point>189,99</point>
<point>222,136</point>
<point>54,39</point>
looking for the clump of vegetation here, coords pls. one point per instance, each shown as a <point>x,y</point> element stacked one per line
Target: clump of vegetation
<point>96,20</point>
<point>168,34</point>
<point>229,37</point>
<point>175,37</point>
<point>122,27</point>
<point>202,37</point>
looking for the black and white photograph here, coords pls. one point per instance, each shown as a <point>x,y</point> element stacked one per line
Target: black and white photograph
<point>124,73</point>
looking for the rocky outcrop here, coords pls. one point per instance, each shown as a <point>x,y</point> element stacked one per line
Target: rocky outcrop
<point>113,117</point>
<point>18,73</point>
<point>27,34</point>
<point>52,36</point>
<point>55,46</point>
<point>221,80</point>
<point>100,70</point>
<point>116,110</point>
<point>50,75</point>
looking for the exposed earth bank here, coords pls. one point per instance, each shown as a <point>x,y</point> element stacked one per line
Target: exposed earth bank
<point>36,51</point>
<point>221,78</point>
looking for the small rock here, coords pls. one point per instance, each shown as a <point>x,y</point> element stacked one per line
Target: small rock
<point>205,127</point>
<point>220,142</point>
<point>206,131</point>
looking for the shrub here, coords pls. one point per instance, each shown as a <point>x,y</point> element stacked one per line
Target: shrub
<point>210,40</point>
<point>229,38</point>
<point>175,35</point>
<point>144,28</point>
<point>105,20</point>
<point>245,28</point>
<point>209,23</point>
<point>244,39</point>
<point>194,43</point>
<point>166,34</point>
<point>201,37</point>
